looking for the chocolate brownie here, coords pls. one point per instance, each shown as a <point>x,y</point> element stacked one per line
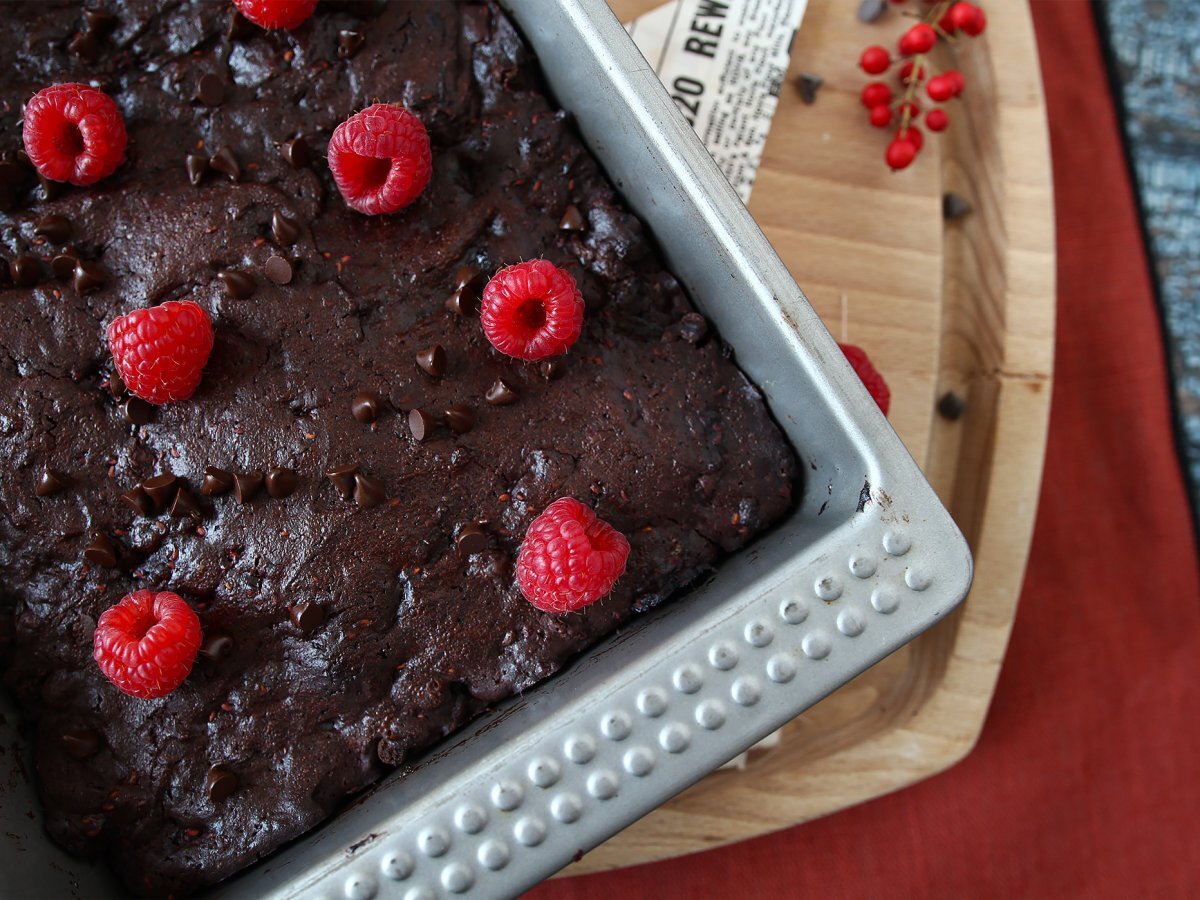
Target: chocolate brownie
<point>350,622</point>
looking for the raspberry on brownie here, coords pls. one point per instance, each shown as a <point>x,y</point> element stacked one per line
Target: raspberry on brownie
<point>342,497</point>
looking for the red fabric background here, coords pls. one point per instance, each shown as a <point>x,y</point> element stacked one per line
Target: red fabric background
<point>1086,780</point>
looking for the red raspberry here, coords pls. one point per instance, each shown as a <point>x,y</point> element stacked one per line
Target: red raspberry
<point>160,352</point>
<point>876,93</point>
<point>875,60</point>
<point>868,373</point>
<point>570,558</point>
<point>276,13</point>
<point>881,116</point>
<point>74,133</point>
<point>532,310</point>
<point>937,120</point>
<point>146,644</point>
<point>380,159</point>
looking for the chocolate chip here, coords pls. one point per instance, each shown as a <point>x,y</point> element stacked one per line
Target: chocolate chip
<point>85,46</point>
<point>139,501</point>
<point>238,285</point>
<point>63,265</point>
<point>471,539</point>
<point>368,491</point>
<point>365,407</point>
<point>306,615</point>
<point>809,84</point>
<point>26,271</point>
<point>211,90</point>
<point>349,43</point>
<point>88,277</point>
<point>196,166</point>
<point>693,328</point>
<point>343,479</point>
<point>216,645</point>
<point>53,228</point>
<point>279,270</point>
<point>185,506</point>
<point>51,481</point>
<point>954,206</point>
<point>239,27</point>
<point>137,411</point>
<point>100,552</point>
<point>870,10</point>
<point>221,783</point>
<point>99,22</point>
<point>47,189</point>
<point>296,152</point>
<point>432,360</point>
<point>80,744</point>
<point>246,485</point>
<point>460,418</point>
<point>421,423</point>
<point>501,394</point>
<point>284,229</point>
<point>216,481</point>
<point>951,406</point>
<point>572,219</point>
<point>225,162</point>
<point>551,368</point>
<point>281,482</point>
<point>116,386</point>
<point>160,489</point>
<point>469,282</point>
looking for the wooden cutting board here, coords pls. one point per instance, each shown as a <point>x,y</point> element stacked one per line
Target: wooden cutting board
<point>964,306</point>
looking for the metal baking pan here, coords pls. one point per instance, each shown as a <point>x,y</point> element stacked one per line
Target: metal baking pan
<point>867,561</point>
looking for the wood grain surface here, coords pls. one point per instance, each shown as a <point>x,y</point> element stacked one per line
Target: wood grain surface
<point>966,306</point>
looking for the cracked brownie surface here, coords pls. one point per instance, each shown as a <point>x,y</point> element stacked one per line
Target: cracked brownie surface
<point>342,636</point>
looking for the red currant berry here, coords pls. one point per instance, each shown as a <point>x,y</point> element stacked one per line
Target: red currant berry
<point>881,116</point>
<point>936,120</point>
<point>913,135</point>
<point>875,60</point>
<point>906,72</point>
<point>876,93</point>
<point>912,108</point>
<point>918,39</point>
<point>956,78</point>
<point>900,155</point>
<point>940,88</point>
<point>967,18</point>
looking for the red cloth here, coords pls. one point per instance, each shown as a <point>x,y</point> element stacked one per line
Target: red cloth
<point>1086,780</point>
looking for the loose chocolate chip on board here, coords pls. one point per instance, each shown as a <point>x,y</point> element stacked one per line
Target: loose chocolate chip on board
<point>954,206</point>
<point>870,10</point>
<point>809,84</point>
<point>951,406</point>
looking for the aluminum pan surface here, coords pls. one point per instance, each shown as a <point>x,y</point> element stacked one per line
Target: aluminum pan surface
<point>868,561</point>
